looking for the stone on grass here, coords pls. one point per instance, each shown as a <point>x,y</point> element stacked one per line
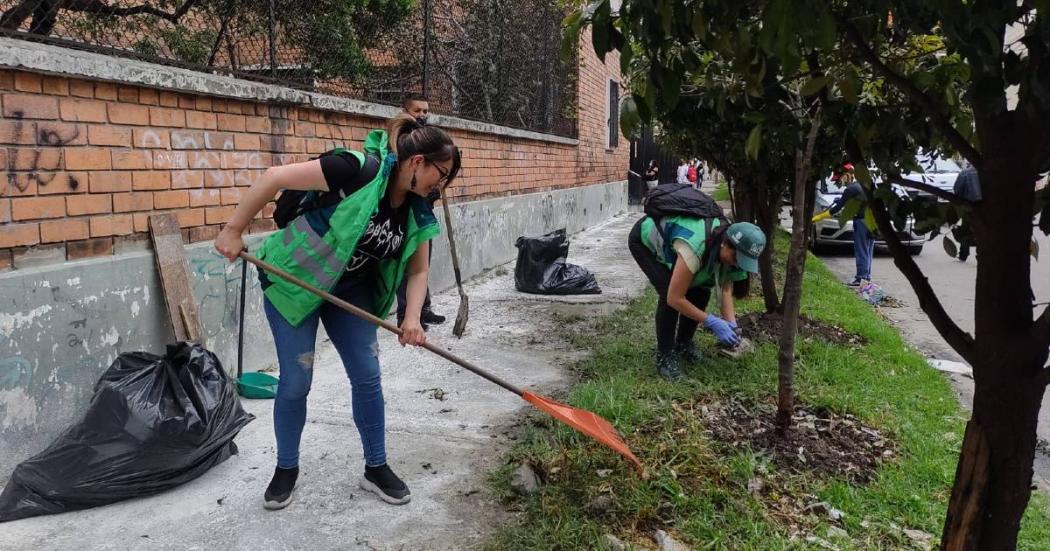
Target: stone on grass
<point>668,543</point>
<point>524,480</point>
<point>614,543</point>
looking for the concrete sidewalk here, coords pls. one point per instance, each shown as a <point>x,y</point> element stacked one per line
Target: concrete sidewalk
<point>446,429</point>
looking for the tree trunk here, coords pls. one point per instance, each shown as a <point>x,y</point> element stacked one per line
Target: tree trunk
<point>993,481</point>
<point>766,217</point>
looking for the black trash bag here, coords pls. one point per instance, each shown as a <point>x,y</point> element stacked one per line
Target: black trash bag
<point>541,267</point>
<point>154,423</point>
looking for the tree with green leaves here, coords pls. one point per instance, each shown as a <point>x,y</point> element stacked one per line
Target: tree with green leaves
<point>325,39</point>
<point>914,75</point>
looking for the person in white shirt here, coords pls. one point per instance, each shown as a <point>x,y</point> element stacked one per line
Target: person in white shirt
<point>683,172</point>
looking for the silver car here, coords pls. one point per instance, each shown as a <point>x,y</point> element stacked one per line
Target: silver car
<point>828,234</point>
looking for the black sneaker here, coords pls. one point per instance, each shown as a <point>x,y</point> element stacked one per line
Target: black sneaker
<point>279,492</point>
<point>667,367</point>
<point>687,353</point>
<point>428,317</point>
<point>422,323</point>
<point>382,482</point>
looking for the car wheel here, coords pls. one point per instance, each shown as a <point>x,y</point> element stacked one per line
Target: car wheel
<point>813,246</point>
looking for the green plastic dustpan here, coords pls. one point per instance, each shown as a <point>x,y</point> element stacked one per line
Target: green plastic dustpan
<point>257,385</point>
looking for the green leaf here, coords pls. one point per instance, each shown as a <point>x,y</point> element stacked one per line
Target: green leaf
<point>949,247</point>
<point>850,86</point>
<point>630,121</point>
<point>671,87</point>
<point>754,141</point>
<point>626,55</point>
<point>849,210</point>
<point>570,39</point>
<point>642,106</point>
<point>813,85</point>
<point>601,25</point>
<point>869,220</point>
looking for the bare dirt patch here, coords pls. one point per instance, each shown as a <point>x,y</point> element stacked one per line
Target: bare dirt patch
<point>820,441</point>
<point>767,326</point>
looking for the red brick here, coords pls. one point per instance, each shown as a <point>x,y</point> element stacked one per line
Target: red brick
<point>132,159</point>
<point>19,235</point>
<point>141,221</point>
<point>171,199</point>
<point>148,96</point>
<point>17,132</point>
<point>64,230</point>
<point>187,179</point>
<point>128,202</point>
<point>88,204</point>
<point>28,82</point>
<point>187,101</point>
<point>169,99</point>
<point>259,125</point>
<point>109,135</point>
<point>7,260</point>
<point>182,139</point>
<point>36,208</point>
<point>109,182</point>
<point>143,180</point>
<point>168,160</point>
<point>82,110</point>
<point>231,195</point>
<point>233,123</point>
<point>34,159</point>
<point>218,215</point>
<point>57,86</point>
<point>246,141</point>
<point>87,158</point>
<point>81,88</point>
<point>5,209</point>
<point>204,197</point>
<point>60,134</point>
<point>199,119</point>
<point>22,106</point>
<point>305,130</point>
<point>148,138</point>
<point>219,140</point>
<point>101,246</point>
<point>61,182</point>
<point>159,116</point>
<point>112,224</point>
<point>262,226</point>
<point>218,178</point>
<point>123,113</point>
<point>204,233</point>
<point>105,90</point>
<point>128,94</point>
<point>190,217</point>
<point>204,104</point>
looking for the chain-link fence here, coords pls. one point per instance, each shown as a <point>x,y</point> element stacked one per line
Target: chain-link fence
<point>491,60</point>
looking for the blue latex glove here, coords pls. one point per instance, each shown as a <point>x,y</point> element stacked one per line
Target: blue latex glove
<point>723,332</point>
<point>736,328</point>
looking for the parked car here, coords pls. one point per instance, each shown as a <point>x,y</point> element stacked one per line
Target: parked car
<point>829,233</point>
<point>940,173</point>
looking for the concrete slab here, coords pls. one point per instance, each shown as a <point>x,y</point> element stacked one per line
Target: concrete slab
<point>443,448</point>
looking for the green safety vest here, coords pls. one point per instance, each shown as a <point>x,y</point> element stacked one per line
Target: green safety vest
<point>658,238</point>
<point>318,244</point>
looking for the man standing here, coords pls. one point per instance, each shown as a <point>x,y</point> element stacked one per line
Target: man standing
<point>418,106</point>
<point>863,237</point>
<point>967,186</point>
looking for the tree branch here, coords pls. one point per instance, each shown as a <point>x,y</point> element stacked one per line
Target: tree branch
<point>15,16</point>
<point>937,117</point>
<point>959,340</point>
<point>100,7</point>
<point>932,190</point>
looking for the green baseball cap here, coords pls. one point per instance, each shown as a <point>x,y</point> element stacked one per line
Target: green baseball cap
<point>748,241</point>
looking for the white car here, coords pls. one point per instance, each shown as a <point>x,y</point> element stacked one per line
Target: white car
<point>940,173</point>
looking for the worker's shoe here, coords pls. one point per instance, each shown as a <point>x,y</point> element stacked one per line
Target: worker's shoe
<point>422,322</point>
<point>428,317</point>
<point>382,482</point>
<point>279,492</point>
<point>687,353</point>
<point>857,282</point>
<point>667,366</point>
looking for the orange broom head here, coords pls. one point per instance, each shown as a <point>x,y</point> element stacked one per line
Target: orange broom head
<point>586,422</point>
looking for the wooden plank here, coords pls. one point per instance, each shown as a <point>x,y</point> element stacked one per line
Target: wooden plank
<point>170,256</point>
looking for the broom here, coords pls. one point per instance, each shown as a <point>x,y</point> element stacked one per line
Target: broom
<point>461,316</point>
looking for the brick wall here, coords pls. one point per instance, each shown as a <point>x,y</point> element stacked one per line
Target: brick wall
<point>87,162</point>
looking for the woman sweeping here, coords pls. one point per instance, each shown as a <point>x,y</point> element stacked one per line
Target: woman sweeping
<point>684,260</point>
<point>358,249</point>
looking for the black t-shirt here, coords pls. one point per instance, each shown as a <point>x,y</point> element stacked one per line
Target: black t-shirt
<point>385,235</point>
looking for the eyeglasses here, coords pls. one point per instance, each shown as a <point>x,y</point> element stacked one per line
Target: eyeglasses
<point>442,172</point>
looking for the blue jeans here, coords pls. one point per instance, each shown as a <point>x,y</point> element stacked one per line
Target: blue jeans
<point>355,340</point>
<point>863,248</point>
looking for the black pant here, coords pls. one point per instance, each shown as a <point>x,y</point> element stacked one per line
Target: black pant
<point>671,327</point>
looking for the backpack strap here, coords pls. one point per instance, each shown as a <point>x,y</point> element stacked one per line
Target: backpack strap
<point>368,172</point>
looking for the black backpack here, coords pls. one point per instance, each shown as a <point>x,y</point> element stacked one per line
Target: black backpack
<point>293,202</point>
<point>684,200</point>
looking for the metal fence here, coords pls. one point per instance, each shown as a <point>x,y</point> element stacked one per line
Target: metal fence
<point>490,60</point>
